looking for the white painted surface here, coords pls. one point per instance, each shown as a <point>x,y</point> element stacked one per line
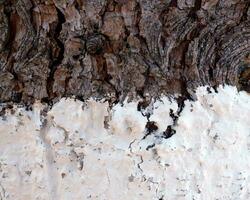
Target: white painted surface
<point>79,152</point>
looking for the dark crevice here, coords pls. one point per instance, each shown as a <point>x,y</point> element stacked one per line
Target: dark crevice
<point>31,16</point>
<point>181,103</point>
<point>173,116</point>
<point>193,12</point>
<point>209,90</point>
<point>244,77</point>
<point>151,127</point>
<point>215,88</point>
<point>184,46</point>
<point>78,5</point>
<point>142,106</point>
<point>107,79</point>
<point>48,101</point>
<point>140,92</point>
<point>197,6</point>
<point>66,85</point>
<point>173,3</point>
<point>169,132</point>
<point>58,60</point>
<point>16,96</point>
<point>245,15</point>
<point>61,21</point>
<point>211,73</point>
<point>150,146</point>
<point>185,95</point>
<point>186,60</point>
<point>12,35</point>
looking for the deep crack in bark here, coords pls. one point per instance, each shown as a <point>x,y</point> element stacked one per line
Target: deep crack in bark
<point>153,48</point>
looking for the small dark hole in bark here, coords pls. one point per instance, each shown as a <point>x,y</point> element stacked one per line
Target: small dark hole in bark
<point>76,57</point>
<point>47,101</point>
<point>140,93</point>
<point>16,97</point>
<point>211,73</point>
<point>215,88</point>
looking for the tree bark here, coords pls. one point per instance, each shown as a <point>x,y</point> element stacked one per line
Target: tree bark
<point>118,48</point>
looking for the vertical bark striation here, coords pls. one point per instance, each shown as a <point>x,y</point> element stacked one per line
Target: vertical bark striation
<point>115,48</point>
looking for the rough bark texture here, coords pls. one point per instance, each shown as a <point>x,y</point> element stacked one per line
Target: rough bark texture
<point>115,48</point>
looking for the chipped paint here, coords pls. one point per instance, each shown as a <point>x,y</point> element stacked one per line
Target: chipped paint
<point>89,151</point>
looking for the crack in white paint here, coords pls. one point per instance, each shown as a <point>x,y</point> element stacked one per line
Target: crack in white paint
<point>93,152</point>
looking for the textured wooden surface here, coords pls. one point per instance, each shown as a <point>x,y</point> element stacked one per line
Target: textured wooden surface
<point>115,48</point>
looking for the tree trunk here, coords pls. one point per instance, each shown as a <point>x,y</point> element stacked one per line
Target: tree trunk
<point>118,48</point>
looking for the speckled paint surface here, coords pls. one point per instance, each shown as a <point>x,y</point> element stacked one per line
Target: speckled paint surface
<point>85,151</point>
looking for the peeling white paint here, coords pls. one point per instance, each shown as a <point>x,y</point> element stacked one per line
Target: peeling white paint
<point>87,151</point>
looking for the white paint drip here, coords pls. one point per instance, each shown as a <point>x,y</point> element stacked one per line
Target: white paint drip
<point>92,152</point>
